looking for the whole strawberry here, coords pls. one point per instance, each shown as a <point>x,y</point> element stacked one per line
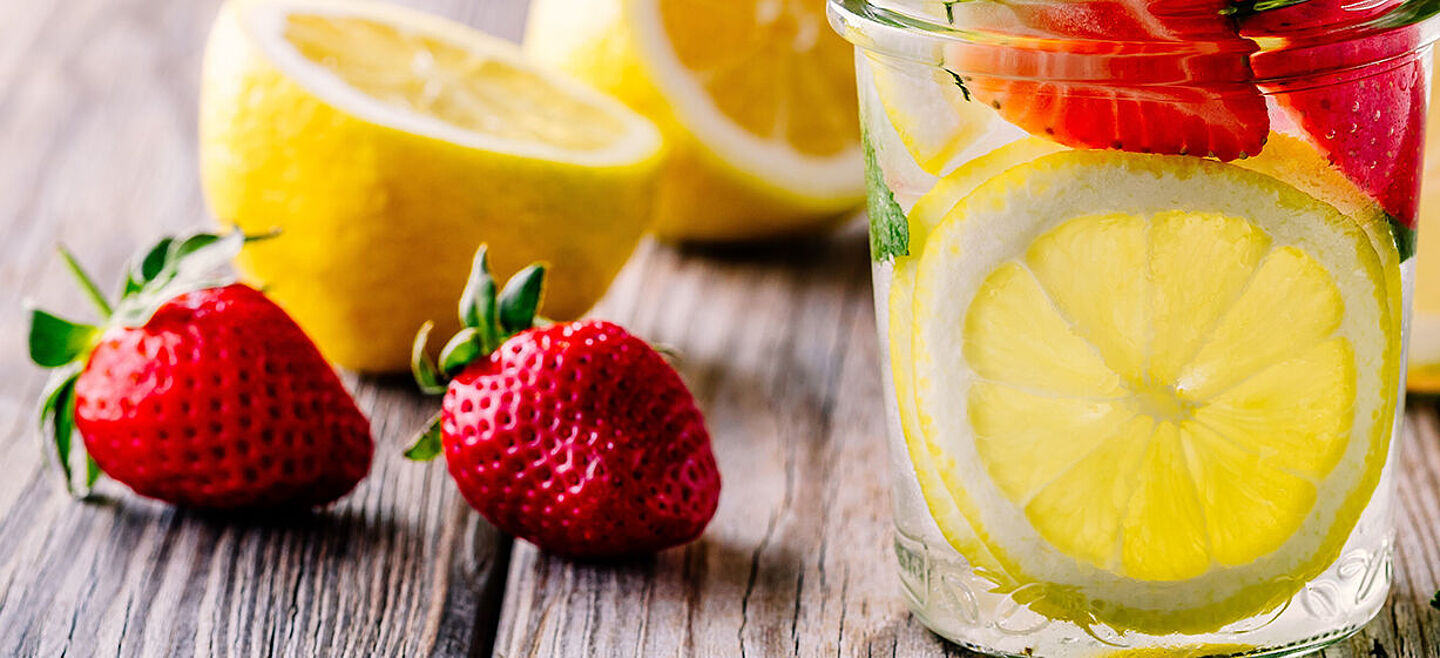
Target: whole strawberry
<point>577,437</point>
<point>199,393</point>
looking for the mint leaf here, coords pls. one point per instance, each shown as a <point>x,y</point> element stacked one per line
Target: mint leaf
<point>889,230</point>
<point>1404,238</point>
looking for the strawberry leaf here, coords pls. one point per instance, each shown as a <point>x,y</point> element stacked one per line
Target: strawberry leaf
<point>426,445</point>
<point>92,472</point>
<point>477,302</point>
<point>463,348</point>
<point>420,365</point>
<point>57,419</point>
<point>146,268</point>
<point>86,281</point>
<point>520,299</point>
<point>55,341</point>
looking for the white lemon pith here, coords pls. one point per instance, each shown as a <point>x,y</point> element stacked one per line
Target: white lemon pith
<point>387,145</point>
<point>1158,389</point>
<point>756,100</point>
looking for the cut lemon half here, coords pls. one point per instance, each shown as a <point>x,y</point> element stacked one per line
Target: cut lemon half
<point>755,97</point>
<point>1424,366</point>
<point>934,116</point>
<point>1159,389</point>
<point>386,145</point>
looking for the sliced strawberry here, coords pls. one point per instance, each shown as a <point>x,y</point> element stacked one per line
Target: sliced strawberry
<point>1361,100</point>
<point>1151,76</point>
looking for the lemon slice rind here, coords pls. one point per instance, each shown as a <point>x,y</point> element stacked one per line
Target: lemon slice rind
<point>768,163</point>
<point>997,222</point>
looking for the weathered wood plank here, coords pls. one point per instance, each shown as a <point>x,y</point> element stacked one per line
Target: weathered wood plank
<point>98,123</point>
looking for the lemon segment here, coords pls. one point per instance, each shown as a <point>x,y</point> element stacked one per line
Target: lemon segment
<point>386,145</point>
<point>1158,389</point>
<point>756,100</point>
<point>935,119</point>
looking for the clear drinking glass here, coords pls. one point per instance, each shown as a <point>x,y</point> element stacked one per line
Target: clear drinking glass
<point>1142,275</point>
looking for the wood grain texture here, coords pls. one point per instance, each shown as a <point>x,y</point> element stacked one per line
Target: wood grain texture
<point>97,122</point>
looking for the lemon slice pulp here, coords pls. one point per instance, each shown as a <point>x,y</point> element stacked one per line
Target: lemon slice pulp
<point>757,100</point>
<point>1158,388</point>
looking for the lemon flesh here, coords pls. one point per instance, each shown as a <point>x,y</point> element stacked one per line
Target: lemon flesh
<point>387,145</point>
<point>756,100</point>
<point>1158,389</point>
<point>924,217</point>
<point>935,119</point>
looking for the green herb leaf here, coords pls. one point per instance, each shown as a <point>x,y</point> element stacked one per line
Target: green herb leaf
<point>960,82</point>
<point>465,347</point>
<point>889,230</point>
<point>1244,8</point>
<point>426,445</point>
<point>420,365</point>
<point>1435,602</point>
<point>55,341</point>
<point>1405,238</point>
<point>520,299</point>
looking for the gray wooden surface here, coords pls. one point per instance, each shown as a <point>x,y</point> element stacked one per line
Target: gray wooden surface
<point>97,123</point>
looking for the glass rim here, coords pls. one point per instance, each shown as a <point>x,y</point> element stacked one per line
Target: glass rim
<point>892,34</point>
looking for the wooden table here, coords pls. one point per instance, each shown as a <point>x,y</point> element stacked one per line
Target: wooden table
<point>97,131</point>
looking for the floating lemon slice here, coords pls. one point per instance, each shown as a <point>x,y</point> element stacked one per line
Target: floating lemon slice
<point>756,99</point>
<point>923,219</point>
<point>1158,389</point>
<point>934,116</point>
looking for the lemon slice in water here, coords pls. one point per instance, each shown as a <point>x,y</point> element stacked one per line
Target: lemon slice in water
<point>1158,389</point>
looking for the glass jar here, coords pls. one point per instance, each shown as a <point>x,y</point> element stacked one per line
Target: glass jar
<point>1142,273</point>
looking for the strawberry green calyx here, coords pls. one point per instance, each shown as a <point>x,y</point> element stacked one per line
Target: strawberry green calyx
<point>174,266</point>
<point>487,320</point>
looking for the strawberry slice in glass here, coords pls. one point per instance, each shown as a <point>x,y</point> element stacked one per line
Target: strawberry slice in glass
<point>1149,76</point>
<point>1365,108</point>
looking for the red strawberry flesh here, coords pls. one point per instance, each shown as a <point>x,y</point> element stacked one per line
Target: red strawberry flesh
<point>1150,76</point>
<point>1358,93</point>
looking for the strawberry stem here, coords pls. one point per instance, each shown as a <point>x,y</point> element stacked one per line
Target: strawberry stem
<point>86,282</point>
<point>487,321</point>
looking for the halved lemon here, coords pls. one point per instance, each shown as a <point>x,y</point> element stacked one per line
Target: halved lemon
<point>387,144</point>
<point>1424,366</point>
<point>756,99</point>
<point>1158,389</point>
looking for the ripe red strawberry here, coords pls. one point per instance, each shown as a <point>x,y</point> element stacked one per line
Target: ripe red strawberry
<point>198,393</point>
<point>1150,76</point>
<point>1365,108</point>
<point>577,437</point>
